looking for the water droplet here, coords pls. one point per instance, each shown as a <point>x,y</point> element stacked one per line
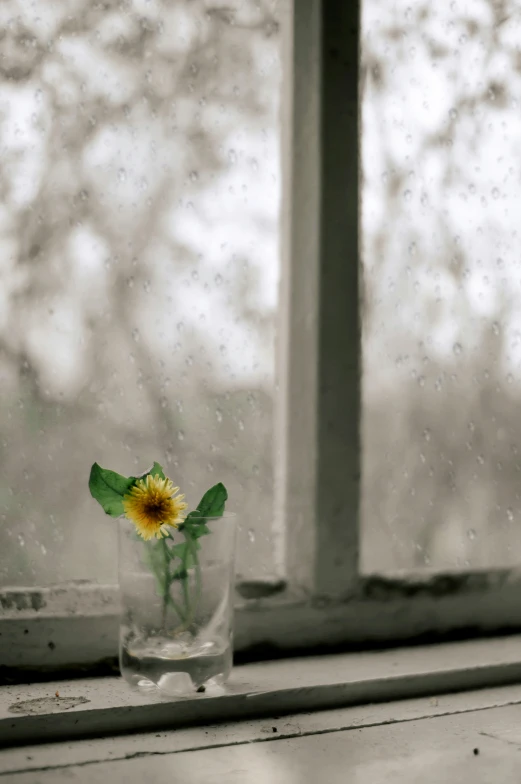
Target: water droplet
<point>219,414</point>
<point>510,378</point>
<point>510,515</point>
<point>453,114</point>
<point>251,535</point>
<point>495,327</point>
<point>194,176</point>
<point>255,469</point>
<point>480,459</point>
<point>427,434</point>
<point>232,156</point>
<point>189,360</point>
<point>122,175</point>
<point>472,188</point>
<point>164,402</point>
<point>181,435</point>
<point>130,282</point>
<point>495,193</point>
<point>407,195</point>
<point>218,279</point>
<point>135,335</point>
<point>421,381</point>
<point>195,275</point>
<point>222,349</point>
<point>471,534</point>
<point>457,348</point>
<point>240,424</point>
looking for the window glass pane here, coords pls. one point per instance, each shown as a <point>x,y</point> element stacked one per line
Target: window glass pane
<point>441,253</point>
<point>139,231</point>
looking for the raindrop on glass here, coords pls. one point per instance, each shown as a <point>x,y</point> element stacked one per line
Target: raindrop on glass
<point>471,534</point>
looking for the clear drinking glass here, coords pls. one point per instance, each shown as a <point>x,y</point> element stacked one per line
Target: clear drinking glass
<point>176,631</point>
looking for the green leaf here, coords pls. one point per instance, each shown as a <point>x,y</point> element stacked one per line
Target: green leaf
<point>156,470</point>
<point>213,501</point>
<point>108,488</point>
<point>199,530</point>
<point>178,550</point>
<point>185,553</point>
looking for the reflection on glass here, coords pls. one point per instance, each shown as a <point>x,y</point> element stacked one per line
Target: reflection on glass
<point>442,254</point>
<point>139,230</point>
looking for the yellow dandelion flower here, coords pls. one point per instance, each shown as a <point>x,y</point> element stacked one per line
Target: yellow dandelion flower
<point>154,505</point>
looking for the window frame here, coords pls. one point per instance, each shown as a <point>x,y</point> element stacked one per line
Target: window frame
<point>325,600</point>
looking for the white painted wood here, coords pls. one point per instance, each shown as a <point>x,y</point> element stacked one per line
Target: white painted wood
<point>61,754</point>
<point>430,751</point>
<point>104,706</point>
<point>45,629</point>
<point>318,406</point>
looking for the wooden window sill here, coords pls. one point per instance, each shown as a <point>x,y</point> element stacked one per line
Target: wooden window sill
<point>94,707</point>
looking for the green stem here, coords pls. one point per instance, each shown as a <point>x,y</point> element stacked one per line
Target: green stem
<point>166,583</point>
<point>198,579</point>
<point>167,597</point>
<point>190,608</point>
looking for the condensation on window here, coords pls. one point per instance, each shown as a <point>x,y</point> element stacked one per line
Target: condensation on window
<point>139,266</point>
<point>441,157</point>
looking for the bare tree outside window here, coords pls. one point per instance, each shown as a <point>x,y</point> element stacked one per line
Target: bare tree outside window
<point>442,294</point>
<point>139,231</point>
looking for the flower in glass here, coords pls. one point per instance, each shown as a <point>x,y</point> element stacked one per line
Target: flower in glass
<point>154,505</point>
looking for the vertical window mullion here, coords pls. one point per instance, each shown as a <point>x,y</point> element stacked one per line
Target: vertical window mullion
<point>318,420</point>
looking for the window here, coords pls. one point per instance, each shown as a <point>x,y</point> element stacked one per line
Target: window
<point>325,592</point>
<point>140,288</point>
